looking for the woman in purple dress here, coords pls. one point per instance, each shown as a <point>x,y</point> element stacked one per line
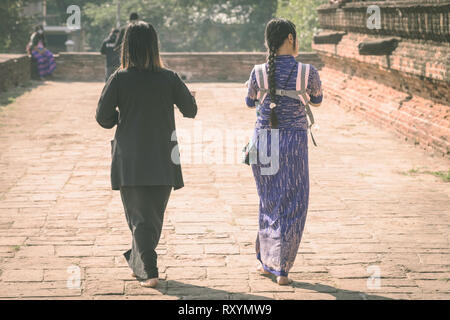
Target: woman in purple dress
<point>283,195</point>
<point>43,58</point>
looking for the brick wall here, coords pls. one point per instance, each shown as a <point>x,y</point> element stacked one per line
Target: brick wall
<point>14,70</point>
<point>419,121</point>
<point>80,66</point>
<point>407,91</point>
<point>416,19</point>
<point>233,66</point>
<point>416,66</point>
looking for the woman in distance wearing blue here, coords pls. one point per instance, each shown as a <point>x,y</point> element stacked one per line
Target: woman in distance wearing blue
<point>284,194</point>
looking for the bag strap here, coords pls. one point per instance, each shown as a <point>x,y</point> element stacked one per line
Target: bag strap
<point>298,94</point>
<point>262,80</point>
<point>301,85</point>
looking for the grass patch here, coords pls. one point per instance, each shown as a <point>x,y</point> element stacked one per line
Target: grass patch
<point>411,172</point>
<point>444,175</point>
<point>8,100</point>
<point>12,94</point>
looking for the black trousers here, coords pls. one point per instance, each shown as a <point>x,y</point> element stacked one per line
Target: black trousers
<point>144,209</point>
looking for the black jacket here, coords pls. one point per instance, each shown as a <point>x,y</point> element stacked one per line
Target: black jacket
<point>142,147</point>
<point>112,56</point>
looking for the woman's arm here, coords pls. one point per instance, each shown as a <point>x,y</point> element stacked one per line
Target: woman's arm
<point>106,115</point>
<point>184,100</point>
<point>314,88</point>
<point>252,92</point>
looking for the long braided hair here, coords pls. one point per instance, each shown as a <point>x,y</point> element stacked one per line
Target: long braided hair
<point>277,30</point>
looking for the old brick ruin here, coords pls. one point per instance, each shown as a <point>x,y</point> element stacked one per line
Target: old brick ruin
<point>14,71</point>
<point>395,75</point>
<point>191,66</point>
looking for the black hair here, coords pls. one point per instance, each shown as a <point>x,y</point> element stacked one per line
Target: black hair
<point>113,32</point>
<point>134,16</point>
<point>140,47</point>
<point>277,30</point>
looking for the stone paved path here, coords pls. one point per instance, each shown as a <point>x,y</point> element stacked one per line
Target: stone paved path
<point>366,216</point>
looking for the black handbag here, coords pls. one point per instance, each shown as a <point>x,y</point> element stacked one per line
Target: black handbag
<point>247,149</point>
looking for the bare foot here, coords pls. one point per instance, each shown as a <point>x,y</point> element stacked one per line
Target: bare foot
<point>282,281</point>
<point>261,270</point>
<point>150,283</point>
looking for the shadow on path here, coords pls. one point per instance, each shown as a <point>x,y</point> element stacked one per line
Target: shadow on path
<point>186,291</point>
<point>339,294</point>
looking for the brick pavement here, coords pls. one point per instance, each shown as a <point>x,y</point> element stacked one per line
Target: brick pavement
<point>367,212</point>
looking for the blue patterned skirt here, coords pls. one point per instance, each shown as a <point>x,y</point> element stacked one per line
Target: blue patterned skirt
<point>45,62</point>
<point>283,202</point>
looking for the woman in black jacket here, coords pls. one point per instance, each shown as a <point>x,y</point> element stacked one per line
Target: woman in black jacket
<point>145,159</point>
<point>112,55</point>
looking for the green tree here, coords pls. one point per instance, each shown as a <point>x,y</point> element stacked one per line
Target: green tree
<point>304,15</point>
<point>188,25</point>
<point>14,28</point>
<point>57,10</point>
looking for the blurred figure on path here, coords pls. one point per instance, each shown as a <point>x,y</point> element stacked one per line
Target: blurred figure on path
<point>134,17</point>
<point>112,56</point>
<point>279,88</point>
<point>43,61</point>
<point>145,158</point>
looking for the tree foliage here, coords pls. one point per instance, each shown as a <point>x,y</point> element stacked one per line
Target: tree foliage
<point>189,25</point>
<point>304,15</point>
<point>14,28</point>
<point>57,10</point>
<point>183,25</point>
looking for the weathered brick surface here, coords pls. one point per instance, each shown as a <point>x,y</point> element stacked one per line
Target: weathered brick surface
<point>14,70</point>
<point>414,119</point>
<point>416,19</point>
<point>407,91</point>
<point>416,67</point>
<point>364,209</point>
<point>196,66</point>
